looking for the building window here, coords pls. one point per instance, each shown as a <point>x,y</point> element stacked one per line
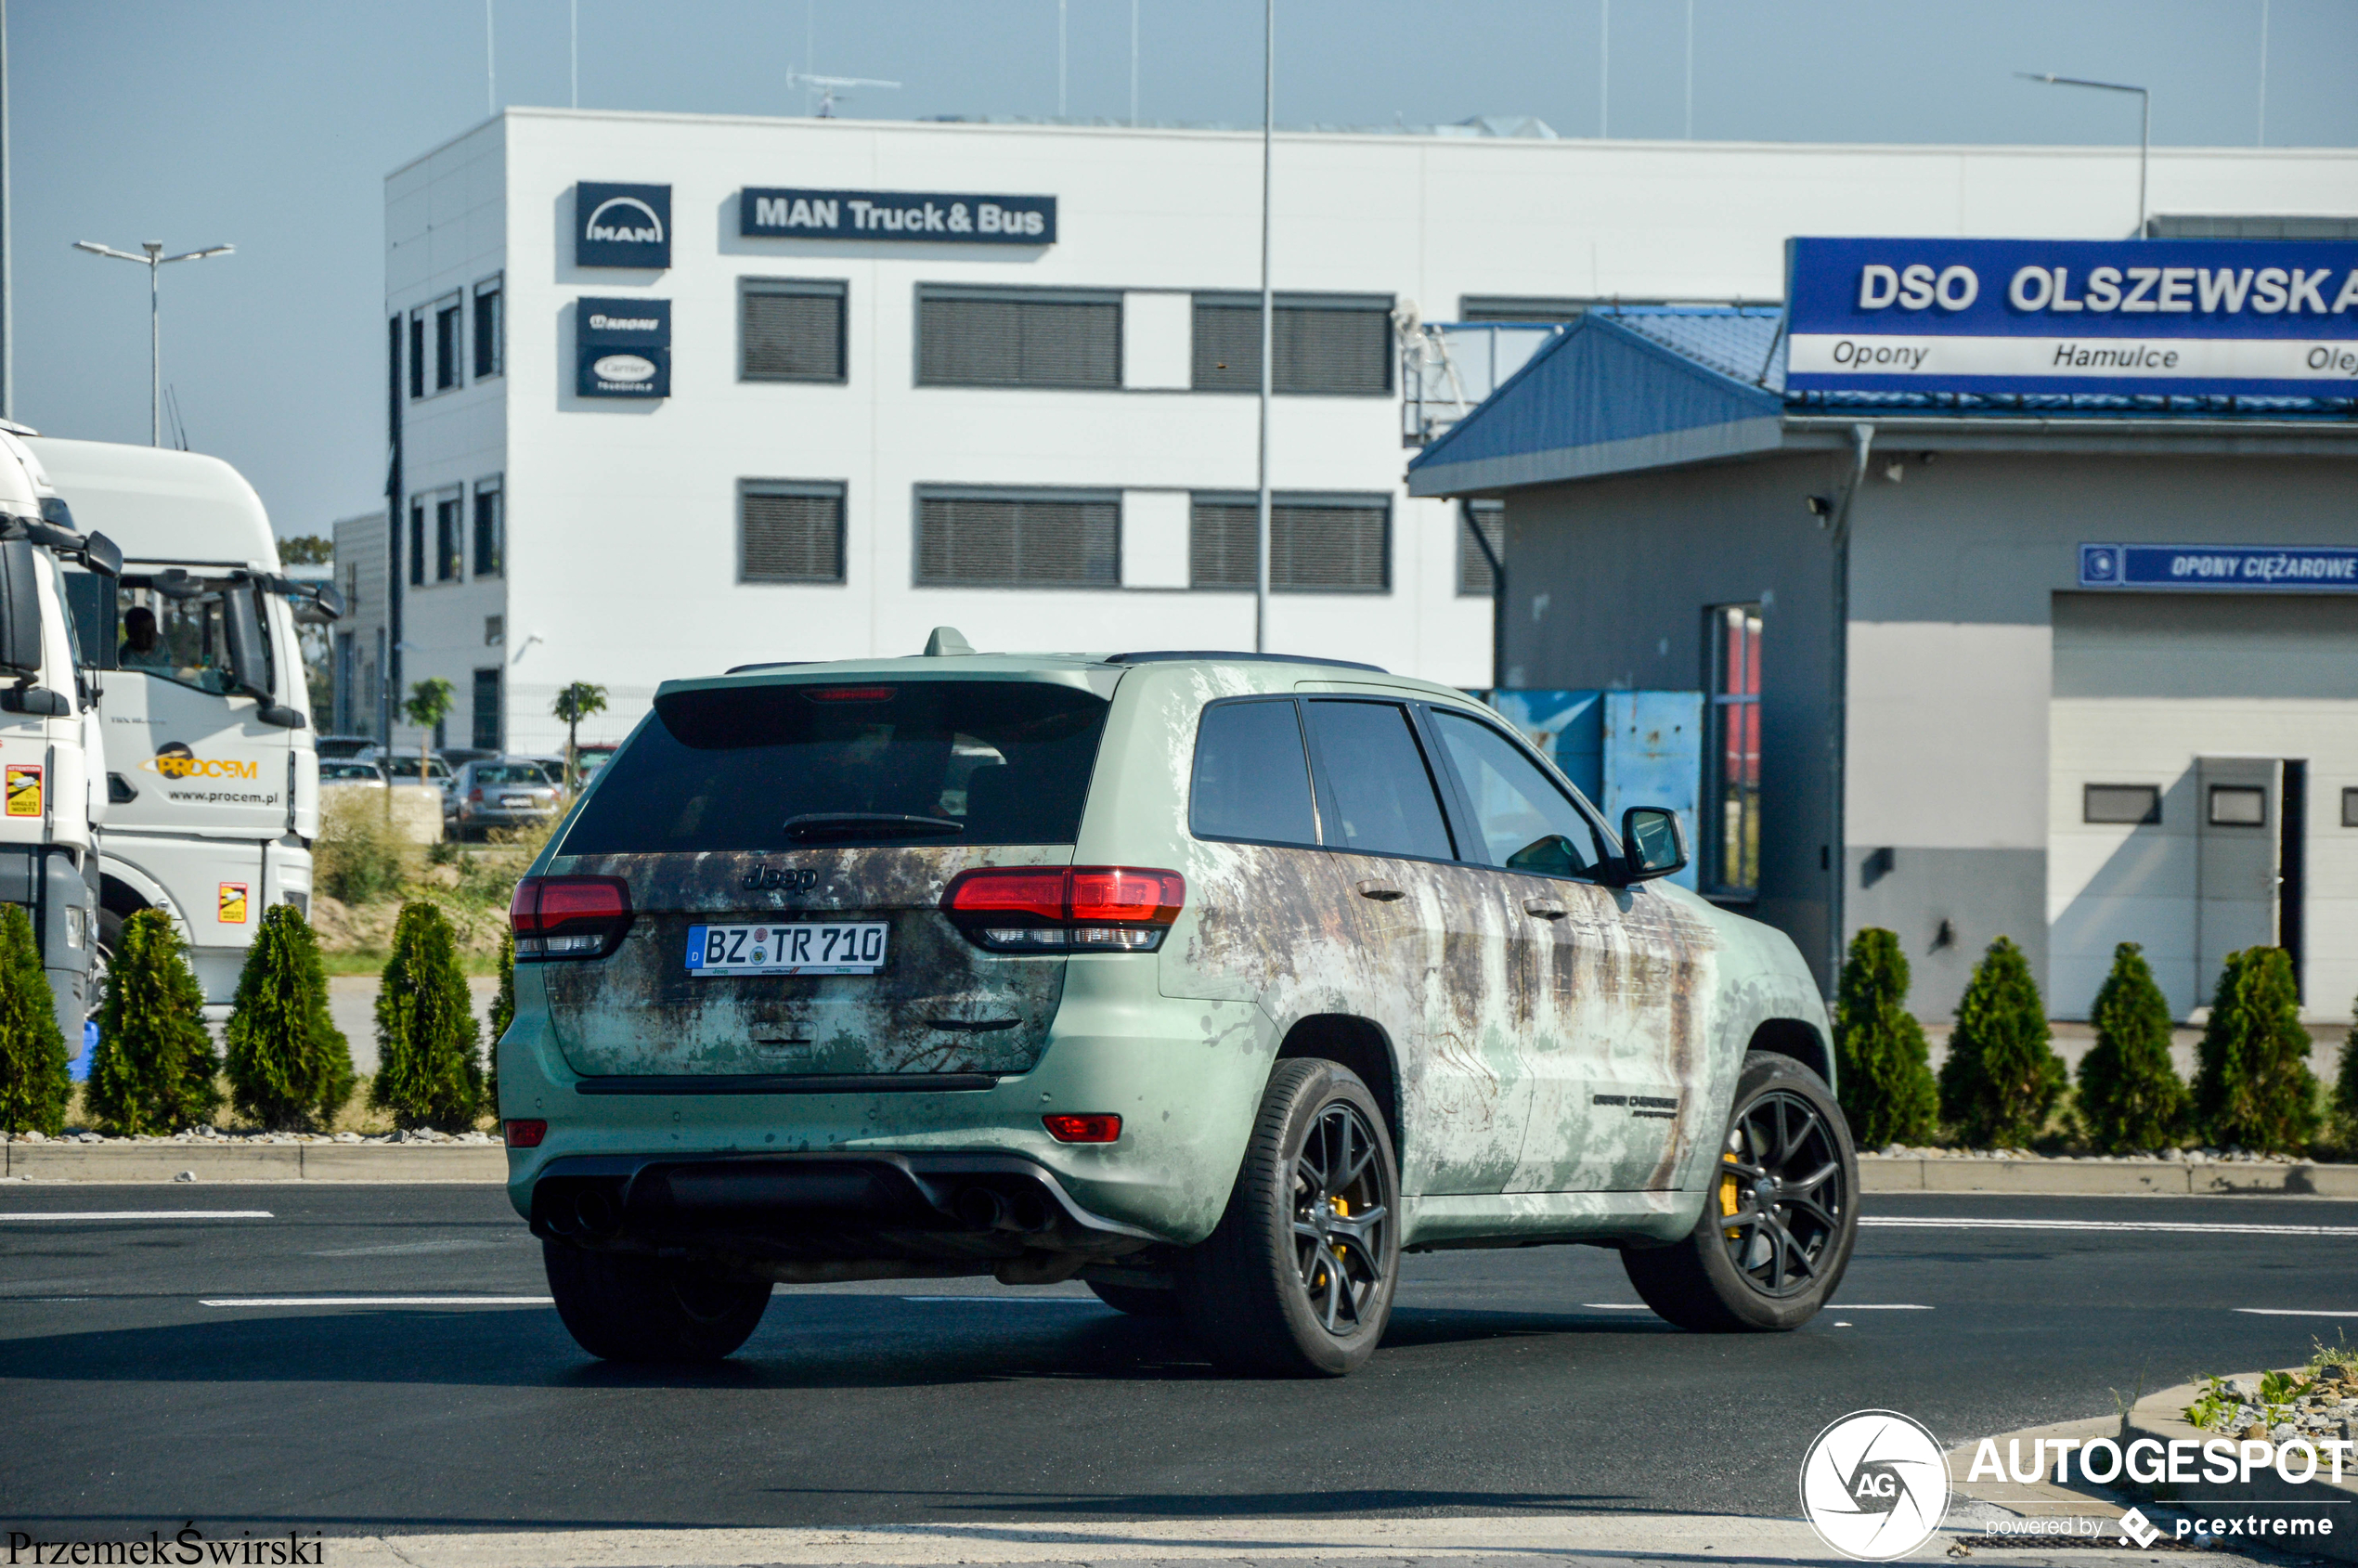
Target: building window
<point>417,543</point>
<point>2350,807</point>
<point>1019,337</point>
<point>2136,804</point>
<point>491,529</point>
<point>790,330</point>
<point>486,710</point>
<point>1317,544</point>
<point>1523,307</point>
<point>1019,539</point>
<point>2239,806</point>
<point>418,352</point>
<point>449,543</point>
<point>445,343</point>
<point>1330,344</point>
<point>1482,522</point>
<point>491,357</point>
<point>1731,800</point>
<point>789,531</point>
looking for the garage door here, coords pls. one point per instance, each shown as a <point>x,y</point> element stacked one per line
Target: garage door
<point>2203,790</point>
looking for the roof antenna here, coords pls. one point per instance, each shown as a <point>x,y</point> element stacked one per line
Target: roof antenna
<point>947,642</point>
<point>829,86</point>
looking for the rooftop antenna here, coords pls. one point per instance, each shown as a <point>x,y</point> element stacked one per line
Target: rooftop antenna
<point>828,87</point>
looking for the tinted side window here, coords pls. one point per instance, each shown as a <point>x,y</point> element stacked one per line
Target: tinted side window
<point>1378,786</point>
<point>1528,823</point>
<point>1252,780</point>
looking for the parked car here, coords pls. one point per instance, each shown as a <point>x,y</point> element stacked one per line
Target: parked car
<point>344,747</point>
<point>503,792</point>
<point>347,771</point>
<point>1215,981</point>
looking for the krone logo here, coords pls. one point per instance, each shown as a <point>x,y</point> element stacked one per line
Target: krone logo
<point>623,368</point>
<point>599,228</point>
<point>1873,1485</point>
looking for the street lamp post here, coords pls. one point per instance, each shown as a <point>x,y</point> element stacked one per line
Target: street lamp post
<point>2144,129</point>
<point>153,260</point>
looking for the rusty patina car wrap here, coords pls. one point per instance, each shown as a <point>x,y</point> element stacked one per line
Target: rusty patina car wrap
<point>1561,1053</point>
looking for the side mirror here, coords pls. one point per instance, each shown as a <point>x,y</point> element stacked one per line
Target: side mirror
<point>248,650</point>
<point>20,608</point>
<point>1652,844</point>
<point>283,717</point>
<point>330,600</point>
<point>102,555</point>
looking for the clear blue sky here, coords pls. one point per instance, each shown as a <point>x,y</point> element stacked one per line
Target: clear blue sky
<point>272,126</point>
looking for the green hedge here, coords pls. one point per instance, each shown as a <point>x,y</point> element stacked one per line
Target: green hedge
<point>2002,1076</point>
<point>1881,1061</point>
<point>2131,1098</point>
<point>36,1081</point>
<point>155,1066</point>
<point>289,1067</point>
<point>429,1069</point>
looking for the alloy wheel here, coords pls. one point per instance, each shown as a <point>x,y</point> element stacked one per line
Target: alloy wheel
<point>1340,1218</point>
<point>1782,1198</point>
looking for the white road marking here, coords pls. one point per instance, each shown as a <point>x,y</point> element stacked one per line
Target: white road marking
<point>1616,1306</point>
<point>1026,1301</point>
<point>1847,1306</point>
<point>2291,1312</point>
<point>2181,1227</point>
<point>403,1249</point>
<point>148,1214</point>
<point>376,1301</point>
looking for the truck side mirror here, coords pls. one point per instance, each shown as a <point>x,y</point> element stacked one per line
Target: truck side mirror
<point>1652,844</point>
<point>102,555</point>
<point>249,652</point>
<point>20,608</point>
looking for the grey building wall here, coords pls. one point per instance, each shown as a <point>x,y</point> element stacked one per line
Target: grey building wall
<point>360,545</point>
<point>1609,582</point>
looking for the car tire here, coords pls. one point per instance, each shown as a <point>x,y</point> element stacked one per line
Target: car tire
<point>1780,1219</point>
<point>1139,1301</point>
<point>1292,1282</point>
<point>627,1306</point>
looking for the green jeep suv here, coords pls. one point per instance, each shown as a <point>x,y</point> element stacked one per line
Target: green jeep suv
<point>1213,980</point>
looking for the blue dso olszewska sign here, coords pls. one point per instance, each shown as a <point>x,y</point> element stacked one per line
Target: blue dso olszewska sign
<point>2305,569</point>
<point>2247,317</point>
<point>622,347</point>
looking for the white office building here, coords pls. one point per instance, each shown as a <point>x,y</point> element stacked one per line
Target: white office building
<point>670,393</point>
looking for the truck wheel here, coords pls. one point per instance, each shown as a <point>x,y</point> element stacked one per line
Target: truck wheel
<point>1139,1301</point>
<point>625,1306</point>
<point>1297,1280</point>
<point>1782,1216</point>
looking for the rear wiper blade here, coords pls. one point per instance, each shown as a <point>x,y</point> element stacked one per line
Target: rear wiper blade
<point>870,824</point>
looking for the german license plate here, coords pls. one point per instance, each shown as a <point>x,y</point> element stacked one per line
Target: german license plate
<point>801,947</point>
<point>512,801</point>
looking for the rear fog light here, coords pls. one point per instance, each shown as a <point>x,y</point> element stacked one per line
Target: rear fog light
<point>1095,1128</point>
<point>526,1134</point>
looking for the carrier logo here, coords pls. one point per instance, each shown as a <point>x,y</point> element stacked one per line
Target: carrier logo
<point>623,347</point>
<point>174,759</point>
<point>1873,1485</point>
<point>624,367</point>
<point>622,224</point>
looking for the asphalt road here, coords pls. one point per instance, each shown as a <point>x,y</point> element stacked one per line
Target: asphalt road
<point>133,1395</point>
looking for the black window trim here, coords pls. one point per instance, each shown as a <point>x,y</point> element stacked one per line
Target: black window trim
<point>837,490</point>
<point>1302,727</point>
<point>921,493</point>
<point>1019,293</point>
<point>493,288</point>
<point>1467,826</point>
<point>836,289</point>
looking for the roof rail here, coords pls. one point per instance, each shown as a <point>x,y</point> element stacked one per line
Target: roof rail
<point>1171,656</point>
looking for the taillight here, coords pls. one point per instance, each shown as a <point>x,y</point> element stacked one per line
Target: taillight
<point>569,916</point>
<point>1089,1129</point>
<point>475,795</point>
<point>528,1134</point>
<point>1087,908</point>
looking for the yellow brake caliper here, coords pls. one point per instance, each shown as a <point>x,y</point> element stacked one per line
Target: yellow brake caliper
<point>1730,1194</point>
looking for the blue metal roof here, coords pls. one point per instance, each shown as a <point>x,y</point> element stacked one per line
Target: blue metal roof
<point>1625,389</point>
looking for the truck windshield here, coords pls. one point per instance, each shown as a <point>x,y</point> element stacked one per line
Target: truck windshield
<point>181,637</point>
<point>799,766</point>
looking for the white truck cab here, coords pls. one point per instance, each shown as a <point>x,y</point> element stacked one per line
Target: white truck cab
<point>212,783</point>
<point>52,755</point>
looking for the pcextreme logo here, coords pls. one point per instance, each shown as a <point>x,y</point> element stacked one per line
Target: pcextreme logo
<point>175,759</point>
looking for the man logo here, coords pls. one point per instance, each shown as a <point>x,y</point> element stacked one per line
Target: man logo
<point>1874,1486</point>
<point>629,369</point>
<point>605,224</point>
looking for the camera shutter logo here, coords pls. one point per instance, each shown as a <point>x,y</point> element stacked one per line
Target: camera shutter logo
<point>1875,1486</point>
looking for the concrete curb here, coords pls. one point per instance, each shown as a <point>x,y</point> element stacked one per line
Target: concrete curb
<point>256,1162</point>
<point>2111,1178</point>
<point>2159,1417</point>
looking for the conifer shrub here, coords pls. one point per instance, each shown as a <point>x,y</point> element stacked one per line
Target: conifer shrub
<point>2345,1106</point>
<point>1881,1061</point>
<point>2002,1076</point>
<point>289,1067</point>
<point>34,1080</point>
<point>503,1013</point>
<point>2253,1088</point>
<point>2131,1097</point>
<point>429,1069</point>
<point>155,1065</point>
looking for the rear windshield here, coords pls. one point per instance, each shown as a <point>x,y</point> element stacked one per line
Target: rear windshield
<point>513,773</point>
<point>798,767</point>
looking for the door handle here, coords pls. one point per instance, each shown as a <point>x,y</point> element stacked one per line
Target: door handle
<point>1382,892</point>
<point>1546,909</point>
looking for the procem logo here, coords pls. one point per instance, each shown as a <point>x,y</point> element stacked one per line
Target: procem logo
<point>1873,1485</point>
